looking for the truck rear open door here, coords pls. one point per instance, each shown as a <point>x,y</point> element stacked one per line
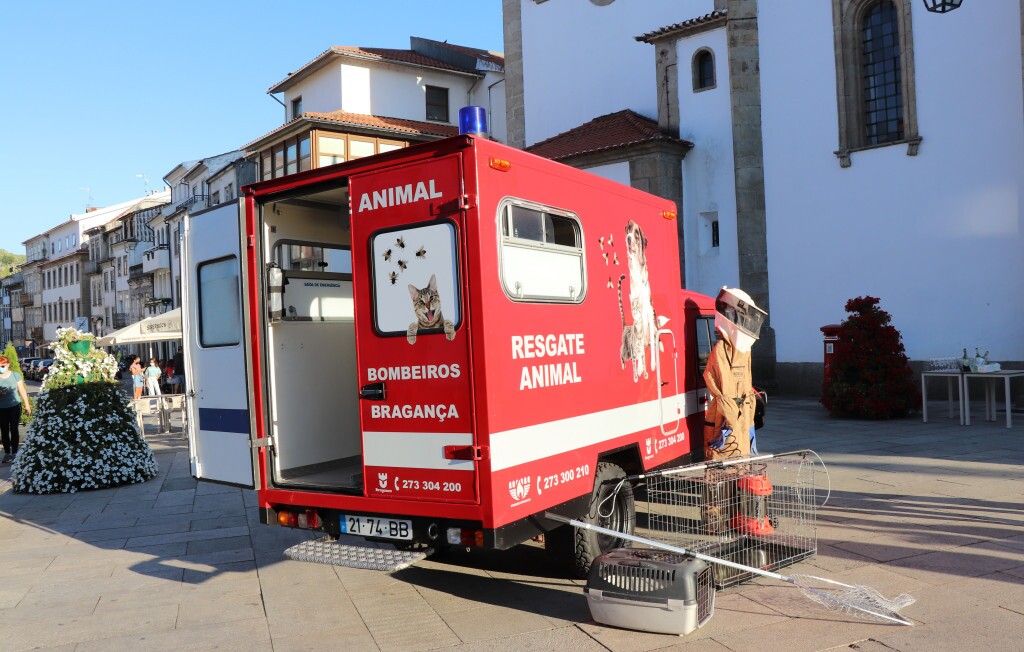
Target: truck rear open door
<point>416,399</point>
<point>217,392</point>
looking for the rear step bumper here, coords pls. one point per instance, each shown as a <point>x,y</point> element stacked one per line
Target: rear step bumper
<point>356,554</point>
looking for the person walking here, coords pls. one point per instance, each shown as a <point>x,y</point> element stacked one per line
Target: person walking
<point>12,397</point>
<point>153,378</point>
<point>137,377</point>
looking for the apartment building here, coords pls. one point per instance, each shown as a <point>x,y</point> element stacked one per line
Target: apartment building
<point>12,320</point>
<point>350,102</point>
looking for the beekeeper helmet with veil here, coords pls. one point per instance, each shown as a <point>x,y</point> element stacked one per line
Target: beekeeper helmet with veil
<point>738,318</point>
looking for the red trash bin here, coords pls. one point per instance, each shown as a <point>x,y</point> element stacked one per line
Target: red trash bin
<point>831,337</point>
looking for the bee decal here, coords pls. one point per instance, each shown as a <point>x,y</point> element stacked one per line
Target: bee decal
<point>403,264</point>
<point>393,277</point>
<point>610,284</point>
<point>387,255</point>
<point>422,253</point>
<point>615,258</point>
<point>600,241</point>
<point>605,256</point>
<point>611,242</point>
<point>400,243</point>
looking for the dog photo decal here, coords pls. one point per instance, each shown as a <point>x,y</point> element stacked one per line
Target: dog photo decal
<point>640,336</point>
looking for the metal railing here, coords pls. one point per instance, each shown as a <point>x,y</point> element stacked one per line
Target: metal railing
<point>194,199</point>
<point>120,319</point>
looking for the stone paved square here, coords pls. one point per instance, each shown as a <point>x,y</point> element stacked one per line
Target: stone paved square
<point>175,564</point>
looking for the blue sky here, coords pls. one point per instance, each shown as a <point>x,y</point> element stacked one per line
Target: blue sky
<point>95,93</point>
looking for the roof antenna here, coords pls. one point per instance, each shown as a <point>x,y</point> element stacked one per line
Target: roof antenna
<point>88,204</point>
<point>145,181</point>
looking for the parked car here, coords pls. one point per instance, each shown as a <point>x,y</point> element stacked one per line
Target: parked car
<point>29,369</point>
<point>26,364</point>
<point>36,371</point>
<point>44,366</point>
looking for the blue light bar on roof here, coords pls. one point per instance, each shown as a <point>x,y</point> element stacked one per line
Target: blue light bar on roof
<point>473,121</point>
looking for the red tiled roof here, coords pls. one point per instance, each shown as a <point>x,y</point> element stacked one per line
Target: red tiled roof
<point>692,22</point>
<point>384,122</point>
<point>607,132</point>
<point>402,56</point>
<point>377,122</point>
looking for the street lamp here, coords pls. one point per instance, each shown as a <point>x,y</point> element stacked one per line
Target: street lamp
<point>941,6</point>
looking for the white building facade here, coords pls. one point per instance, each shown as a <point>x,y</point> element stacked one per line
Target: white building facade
<point>793,188</point>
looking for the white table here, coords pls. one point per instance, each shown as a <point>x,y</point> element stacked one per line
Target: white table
<point>990,394</point>
<point>949,376</point>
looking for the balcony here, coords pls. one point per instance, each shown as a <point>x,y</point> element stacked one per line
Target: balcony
<point>90,267</point>
<point>194,199</point>
<point>120,320</point>
<point>136,274</point>
<point>155,259</point>
<point>27,300</point>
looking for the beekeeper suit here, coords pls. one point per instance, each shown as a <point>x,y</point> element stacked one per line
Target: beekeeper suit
<point>729,421</point>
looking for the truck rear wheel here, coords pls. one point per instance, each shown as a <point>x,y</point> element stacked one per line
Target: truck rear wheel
<point>611,507</point>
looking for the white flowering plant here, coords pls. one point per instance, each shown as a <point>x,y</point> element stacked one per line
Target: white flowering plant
<point>84,434</point>
<point>71,334</point>
<point>71,368</point>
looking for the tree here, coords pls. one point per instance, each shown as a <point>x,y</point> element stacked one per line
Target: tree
<point>870,376</point>
<point>8,261</point>
<point>11,354</point>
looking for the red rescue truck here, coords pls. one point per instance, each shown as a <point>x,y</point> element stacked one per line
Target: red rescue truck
<point>435,345</point>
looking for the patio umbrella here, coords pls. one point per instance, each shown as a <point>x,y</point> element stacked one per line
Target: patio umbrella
<point>152,329</point>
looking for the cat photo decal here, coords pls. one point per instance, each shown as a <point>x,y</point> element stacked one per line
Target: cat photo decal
<point>426,305</point>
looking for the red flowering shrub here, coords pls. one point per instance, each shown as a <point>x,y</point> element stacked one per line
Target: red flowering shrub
<point>870,375</point>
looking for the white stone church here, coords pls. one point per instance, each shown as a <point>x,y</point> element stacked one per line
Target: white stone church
<point>819,150</point>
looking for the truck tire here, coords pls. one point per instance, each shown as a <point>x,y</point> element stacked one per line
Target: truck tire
<point>611,506</point>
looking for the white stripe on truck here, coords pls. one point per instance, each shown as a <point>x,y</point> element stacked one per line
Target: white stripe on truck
<point>520,445</point>
<point>425,450</point>
<point>415,450</point>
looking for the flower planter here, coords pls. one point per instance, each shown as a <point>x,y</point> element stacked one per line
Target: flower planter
<point>81,347</point>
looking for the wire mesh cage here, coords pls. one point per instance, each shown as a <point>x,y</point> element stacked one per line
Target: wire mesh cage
<point>758,511</point>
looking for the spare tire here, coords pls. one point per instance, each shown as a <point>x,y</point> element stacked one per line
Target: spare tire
<point>612,507</point>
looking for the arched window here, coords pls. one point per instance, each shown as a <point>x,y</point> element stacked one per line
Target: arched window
<point>874,75</point>
<point>703,70</point>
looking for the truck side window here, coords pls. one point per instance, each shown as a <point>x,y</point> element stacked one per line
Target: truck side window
<point>316,281</point>
<point>706,338</point>
<point>220,303</point>
<point>541,253</point>
<point>309,257</point>
<point>415,279</point>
